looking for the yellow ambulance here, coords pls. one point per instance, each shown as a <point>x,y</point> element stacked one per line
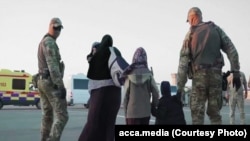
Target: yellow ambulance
<point>16,88</point>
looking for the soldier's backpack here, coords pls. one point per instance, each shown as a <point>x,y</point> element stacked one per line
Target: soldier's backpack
<point>117,65</point>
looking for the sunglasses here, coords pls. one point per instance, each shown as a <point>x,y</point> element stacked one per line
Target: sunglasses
<point>57,28</point>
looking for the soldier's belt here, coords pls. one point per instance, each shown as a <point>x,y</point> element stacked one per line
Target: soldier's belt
<point>213,70</point>
<point>205,67</point>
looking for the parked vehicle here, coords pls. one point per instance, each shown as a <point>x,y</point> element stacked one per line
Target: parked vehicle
<point>77,89</point>
<point>16,88</point>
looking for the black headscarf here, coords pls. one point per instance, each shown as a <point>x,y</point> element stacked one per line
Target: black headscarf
<point>165,89</point>
<point>166,92</point>
<point>106,42</point>
<point>98,66</point>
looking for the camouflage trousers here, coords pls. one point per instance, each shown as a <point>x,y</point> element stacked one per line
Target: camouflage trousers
<point>236,99</point>
<point>54,111</point>
<point>206,95</point>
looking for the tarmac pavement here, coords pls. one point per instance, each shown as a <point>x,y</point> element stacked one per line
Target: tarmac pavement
<point>20,123</point>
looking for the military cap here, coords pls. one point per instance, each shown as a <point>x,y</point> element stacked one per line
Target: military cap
<point>56,22</point>
<point>194,10</point>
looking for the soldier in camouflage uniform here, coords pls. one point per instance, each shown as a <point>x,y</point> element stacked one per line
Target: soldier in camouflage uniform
<point>51,86</point>
<point>201,47</point>
<point>236,98</point>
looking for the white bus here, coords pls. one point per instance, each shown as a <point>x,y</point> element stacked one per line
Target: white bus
<point>77,89</point>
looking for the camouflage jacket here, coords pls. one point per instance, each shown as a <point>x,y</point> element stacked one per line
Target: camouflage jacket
<point>49,58</point>
<point>202,45</point>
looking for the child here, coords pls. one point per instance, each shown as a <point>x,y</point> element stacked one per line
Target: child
<point>89,57</point>
<point>93,50</point>
<point>170,108</point>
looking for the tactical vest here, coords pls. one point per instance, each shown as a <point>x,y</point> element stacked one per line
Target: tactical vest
<point>205,45</point>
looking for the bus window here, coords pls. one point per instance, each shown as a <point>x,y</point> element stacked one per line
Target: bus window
<point>80,84</point>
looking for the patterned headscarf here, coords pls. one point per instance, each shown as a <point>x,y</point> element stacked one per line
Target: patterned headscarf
<point>140,56</point>
<point>139,61</point>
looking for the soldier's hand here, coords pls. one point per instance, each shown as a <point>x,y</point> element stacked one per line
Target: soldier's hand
<point>236,80</point>
<point>225,75</point>
<point>63,92</point>
<point>62,68</point>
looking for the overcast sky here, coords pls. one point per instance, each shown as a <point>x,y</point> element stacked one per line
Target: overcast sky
<point>159,26</point>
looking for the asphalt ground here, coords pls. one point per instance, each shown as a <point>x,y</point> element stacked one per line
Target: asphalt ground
<point>21,123</point>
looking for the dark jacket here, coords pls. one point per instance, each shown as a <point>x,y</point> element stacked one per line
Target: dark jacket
<point>169,109</point>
